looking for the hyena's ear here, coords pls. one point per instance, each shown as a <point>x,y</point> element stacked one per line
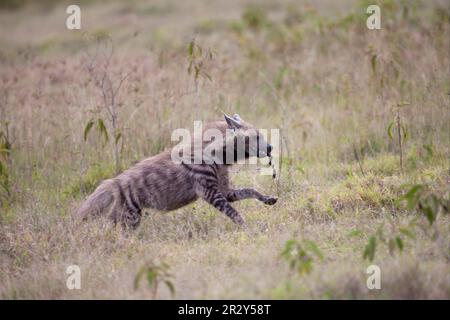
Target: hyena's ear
<point>232,122</point>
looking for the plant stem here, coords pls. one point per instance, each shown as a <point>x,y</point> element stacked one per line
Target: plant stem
<point>399,132</point>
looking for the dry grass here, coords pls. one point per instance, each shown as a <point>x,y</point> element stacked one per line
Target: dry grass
<point>313,70</point>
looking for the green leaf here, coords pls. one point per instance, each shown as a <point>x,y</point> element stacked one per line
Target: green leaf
<point>407,233</point>
<point>404,130</point>
<point>288,246</point>
<point>403,104</point>
<point>431,216</point>
<point>313,247</point>
<point>151,277</point>
<point>197,71</point>
<point>399,243</point>
<point>373,62</point>
<point>171,287</point>
<point>389,130</point>
<point>435,203</point>
<point>88,128</point>
<point>138,277</point>
<point>355,233</point>
<point>369,251</point>
<point>445,205</point>
<point>207,76</point>
<point>191,47</point>
<point>118,137</point>
<point>102,129</point>
<point>412,195</point>
<point>429,149</point>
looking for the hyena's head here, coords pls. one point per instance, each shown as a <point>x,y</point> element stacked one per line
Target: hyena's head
<point>246,141</point>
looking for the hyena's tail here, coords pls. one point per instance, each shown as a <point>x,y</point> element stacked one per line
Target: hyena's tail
<point>98,202</point>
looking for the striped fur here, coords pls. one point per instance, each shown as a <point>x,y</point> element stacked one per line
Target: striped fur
<point>159,183</point>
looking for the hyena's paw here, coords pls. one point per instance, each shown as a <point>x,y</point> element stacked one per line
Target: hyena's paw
<point>239,221</point>
<point>270,200</point>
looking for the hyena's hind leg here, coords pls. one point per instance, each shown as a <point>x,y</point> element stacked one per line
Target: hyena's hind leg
<point>247,193</point>
<point>131,219</point>
<point>128,219</point>
<point>128,216</point>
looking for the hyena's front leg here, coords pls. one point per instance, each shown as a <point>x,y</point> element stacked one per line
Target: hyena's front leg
<point>213,196</point>
<point>241,194</point>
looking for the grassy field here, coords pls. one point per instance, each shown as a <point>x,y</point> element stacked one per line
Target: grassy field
<point>335,88</point>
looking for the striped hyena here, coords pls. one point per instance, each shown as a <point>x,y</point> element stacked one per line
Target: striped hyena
<point>161,183</point>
